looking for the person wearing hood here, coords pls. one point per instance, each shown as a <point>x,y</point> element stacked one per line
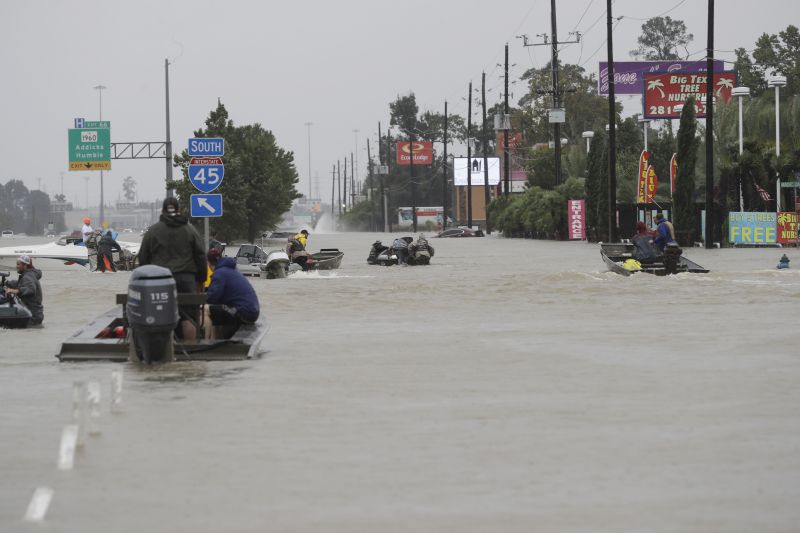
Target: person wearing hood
<point>231,297</point>
<point>27,288</point>
<point>105,252</point>
<point>644,249</point>
<point>174,244</point>
<point>665,234</point>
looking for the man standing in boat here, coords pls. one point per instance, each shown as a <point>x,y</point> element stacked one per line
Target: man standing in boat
<point>28,289</point>
<point>174,244</point>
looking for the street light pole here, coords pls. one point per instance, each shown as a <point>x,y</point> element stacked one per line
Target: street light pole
<point>645,122</point>
<point>308,125</point>
<point>99,89</point>
<point>777,81</point>
<point>740,93</point>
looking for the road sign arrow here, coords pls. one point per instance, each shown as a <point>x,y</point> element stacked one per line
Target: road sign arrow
<point>202,202</point>
<point>88,165</point>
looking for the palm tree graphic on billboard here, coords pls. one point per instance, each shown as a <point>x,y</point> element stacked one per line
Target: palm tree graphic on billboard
<point>656,84</point>
<point>724,83</point>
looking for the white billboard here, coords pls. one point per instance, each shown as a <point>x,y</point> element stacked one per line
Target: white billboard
<point>460,165</point>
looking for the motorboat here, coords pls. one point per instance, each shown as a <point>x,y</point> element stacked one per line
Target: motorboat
<point>325,259</point>
<point>618,257</point>
<point>67,253</point>
<point>383,255</point>
<point>252,260</point>
<point>141,328</point>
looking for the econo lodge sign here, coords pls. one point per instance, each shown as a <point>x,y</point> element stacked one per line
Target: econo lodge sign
<point>423,152</point>
<point>663,92</point>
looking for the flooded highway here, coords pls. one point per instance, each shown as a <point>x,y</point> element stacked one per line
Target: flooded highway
<point>512,385</point>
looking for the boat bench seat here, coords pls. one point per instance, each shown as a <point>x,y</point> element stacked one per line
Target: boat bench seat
<point>198,298</point>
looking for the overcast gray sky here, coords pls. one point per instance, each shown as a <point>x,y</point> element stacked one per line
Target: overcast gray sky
<point>282,64</point>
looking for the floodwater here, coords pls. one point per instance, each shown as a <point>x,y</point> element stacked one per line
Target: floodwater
<point>512,385</point>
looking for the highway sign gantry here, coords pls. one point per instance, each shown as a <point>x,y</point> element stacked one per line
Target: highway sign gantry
<point>206,205</point>
<point>206,173</point>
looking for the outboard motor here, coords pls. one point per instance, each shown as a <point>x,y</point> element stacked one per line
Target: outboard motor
<point>152,312</point>
<point>377,249</point>
<point>672,257</point>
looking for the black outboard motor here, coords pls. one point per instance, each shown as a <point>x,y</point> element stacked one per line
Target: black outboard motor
<point>376,250</point>
<point>152,312</point>
<point>672,257</point>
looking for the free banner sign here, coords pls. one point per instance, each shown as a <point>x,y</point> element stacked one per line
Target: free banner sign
<point>206,173</point>
<point>752,227</point>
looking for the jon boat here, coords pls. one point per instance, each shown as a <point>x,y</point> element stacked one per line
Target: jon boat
<point>615,254</point>
<point>326,259</point>
<point>98,340</point>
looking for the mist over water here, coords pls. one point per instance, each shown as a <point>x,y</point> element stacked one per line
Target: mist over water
<point>511,385</point>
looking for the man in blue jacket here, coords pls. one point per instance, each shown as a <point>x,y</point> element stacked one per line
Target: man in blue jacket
<point>232,299</point>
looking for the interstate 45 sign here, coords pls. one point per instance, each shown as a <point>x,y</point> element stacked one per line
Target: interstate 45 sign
<point>206,173</point>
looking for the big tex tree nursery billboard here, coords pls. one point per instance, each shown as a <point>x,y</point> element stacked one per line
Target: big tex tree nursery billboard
<point>663,93</point>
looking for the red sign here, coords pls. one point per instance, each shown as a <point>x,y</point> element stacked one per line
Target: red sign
<point>673,171</point>
<point>205,161</point>
<point>577,220</point>
<point>423,152</point>
<point>663,92</point>
<point>643,160</point>
<point>652,183</point>
<point>787,228</point>
<point>514,141</point>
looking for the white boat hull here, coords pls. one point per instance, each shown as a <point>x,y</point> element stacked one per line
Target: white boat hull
<point>53,255</point>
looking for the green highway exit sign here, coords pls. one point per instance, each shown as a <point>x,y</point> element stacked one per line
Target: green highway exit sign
<point>89,148</point>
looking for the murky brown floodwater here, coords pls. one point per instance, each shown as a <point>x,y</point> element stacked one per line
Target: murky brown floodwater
<point>510,386</point>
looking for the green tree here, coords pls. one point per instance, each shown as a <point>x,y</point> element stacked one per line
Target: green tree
<point>662,38</point>
<point>260,178</point>
<point>540,166</point>
<point>597,187</point>
<point>684,197</point>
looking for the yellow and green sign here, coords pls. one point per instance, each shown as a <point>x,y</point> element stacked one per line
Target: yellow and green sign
<point>89,148</point>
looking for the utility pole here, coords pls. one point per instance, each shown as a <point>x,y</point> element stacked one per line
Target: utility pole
<point>612,132</point>
<point>352,182</point>
<point>444,172</point>
<point>709,237</point>
<point>308,125</point>
<point>381,154</point>
<point>333,196</point>
<point>469,157</point>
<point>339,183</point>
<point>487,196</point>
<point>555,120</point>
<point>389,156</point>
<point>413,186</point>
<point>169,141</point>
<point>345,184</point>
<point>506,162</point>
<point>99,89</point>
<point>373,223</point>
<point>355,167</point>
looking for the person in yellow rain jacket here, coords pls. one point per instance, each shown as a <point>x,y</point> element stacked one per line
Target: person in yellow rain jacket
<point>213,256</point>
<point>302,237</point>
